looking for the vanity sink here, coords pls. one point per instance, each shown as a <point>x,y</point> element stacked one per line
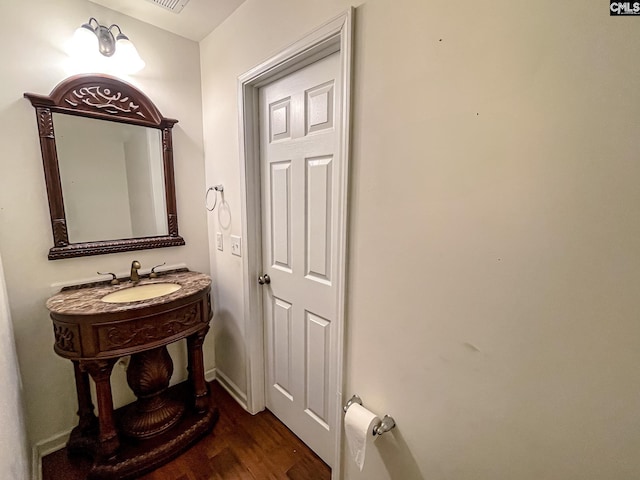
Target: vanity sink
<point>141,292</point>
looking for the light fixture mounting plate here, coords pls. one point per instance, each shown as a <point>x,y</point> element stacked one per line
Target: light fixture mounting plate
<point>106,41</point>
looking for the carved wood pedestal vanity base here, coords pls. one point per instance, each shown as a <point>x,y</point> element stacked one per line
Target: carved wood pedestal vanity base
<point>136,457</point>
<point>148,376</point>
<point>164,421</point>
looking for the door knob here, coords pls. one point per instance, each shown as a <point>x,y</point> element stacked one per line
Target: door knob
<point>262,279</point>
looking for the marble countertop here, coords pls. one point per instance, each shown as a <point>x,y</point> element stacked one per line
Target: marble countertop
<point>87,300</point>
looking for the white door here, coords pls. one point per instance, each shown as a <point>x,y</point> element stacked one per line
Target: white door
<point>299,149</point>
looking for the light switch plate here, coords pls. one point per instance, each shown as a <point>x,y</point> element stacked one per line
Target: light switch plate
<point>236,245</point>
<point>219,241</point>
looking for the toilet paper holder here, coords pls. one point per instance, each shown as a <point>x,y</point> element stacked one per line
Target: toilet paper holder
<point>386,424</point>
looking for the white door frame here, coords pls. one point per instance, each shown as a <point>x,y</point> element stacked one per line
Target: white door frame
<point>333,36</point>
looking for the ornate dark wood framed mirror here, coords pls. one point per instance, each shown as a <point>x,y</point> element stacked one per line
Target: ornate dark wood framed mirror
<point>108,164</point>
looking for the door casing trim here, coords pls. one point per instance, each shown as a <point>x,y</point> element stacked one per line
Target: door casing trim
<point>334,36</point>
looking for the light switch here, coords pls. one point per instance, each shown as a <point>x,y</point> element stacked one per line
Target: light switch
<point>219,242</point>
<point>236,245</point>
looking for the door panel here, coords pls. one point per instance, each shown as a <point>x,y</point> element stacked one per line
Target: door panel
<point>299,144</point>
<point>318,360</point>
<point>282,346</point>
<point>318,218</point>
<point>319,107</point>
<point>280,207</point>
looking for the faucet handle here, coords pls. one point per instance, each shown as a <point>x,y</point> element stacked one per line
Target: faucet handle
<point>135,266</point>
<point>114,279</point>
<point>153,273</point>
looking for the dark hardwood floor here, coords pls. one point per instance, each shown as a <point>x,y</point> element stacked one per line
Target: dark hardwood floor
<point>241,447</point>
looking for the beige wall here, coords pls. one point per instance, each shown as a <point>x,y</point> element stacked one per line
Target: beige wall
<point>14,454</point>
<point>493,274</point>
<point>33,60</point>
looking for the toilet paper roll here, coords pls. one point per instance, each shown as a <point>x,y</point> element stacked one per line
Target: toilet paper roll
<point>358,425</point>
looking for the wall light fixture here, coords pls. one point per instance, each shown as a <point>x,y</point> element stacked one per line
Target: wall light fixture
<point>91,37</point>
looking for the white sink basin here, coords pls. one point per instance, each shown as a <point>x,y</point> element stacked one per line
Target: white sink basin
<point>141,292</point>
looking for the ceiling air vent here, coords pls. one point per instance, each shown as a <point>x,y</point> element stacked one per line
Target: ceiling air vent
<point>174,6</point>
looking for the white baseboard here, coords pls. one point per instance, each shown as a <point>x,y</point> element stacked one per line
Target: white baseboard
<point>210,375</point>
<point>44,448</point>
<point>237,394</point>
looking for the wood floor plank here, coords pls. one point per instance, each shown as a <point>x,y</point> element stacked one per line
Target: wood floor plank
<point>227,465</point>
<point>305,469</point>
<point>241,447</point>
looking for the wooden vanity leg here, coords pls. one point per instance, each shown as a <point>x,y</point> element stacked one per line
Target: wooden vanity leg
<point>196,370</point>
<point>82,438</point>
<point>100,371</point>
<point>85,405</point>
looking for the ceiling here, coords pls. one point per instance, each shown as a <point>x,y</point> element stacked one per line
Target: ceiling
<point>196,20</point>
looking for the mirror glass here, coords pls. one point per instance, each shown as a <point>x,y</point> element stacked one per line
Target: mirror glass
<point>112,177</point>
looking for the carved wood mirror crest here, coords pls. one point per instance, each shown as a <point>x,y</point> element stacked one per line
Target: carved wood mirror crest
<point>106,98</point>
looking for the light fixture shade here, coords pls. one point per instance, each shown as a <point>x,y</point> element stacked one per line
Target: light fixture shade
<point>127,55</point>
<point>85,42</point>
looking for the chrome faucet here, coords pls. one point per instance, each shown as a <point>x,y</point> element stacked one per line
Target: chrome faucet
<point>135,265</point>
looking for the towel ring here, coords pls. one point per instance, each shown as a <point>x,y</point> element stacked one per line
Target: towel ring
<point>216,188</point>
